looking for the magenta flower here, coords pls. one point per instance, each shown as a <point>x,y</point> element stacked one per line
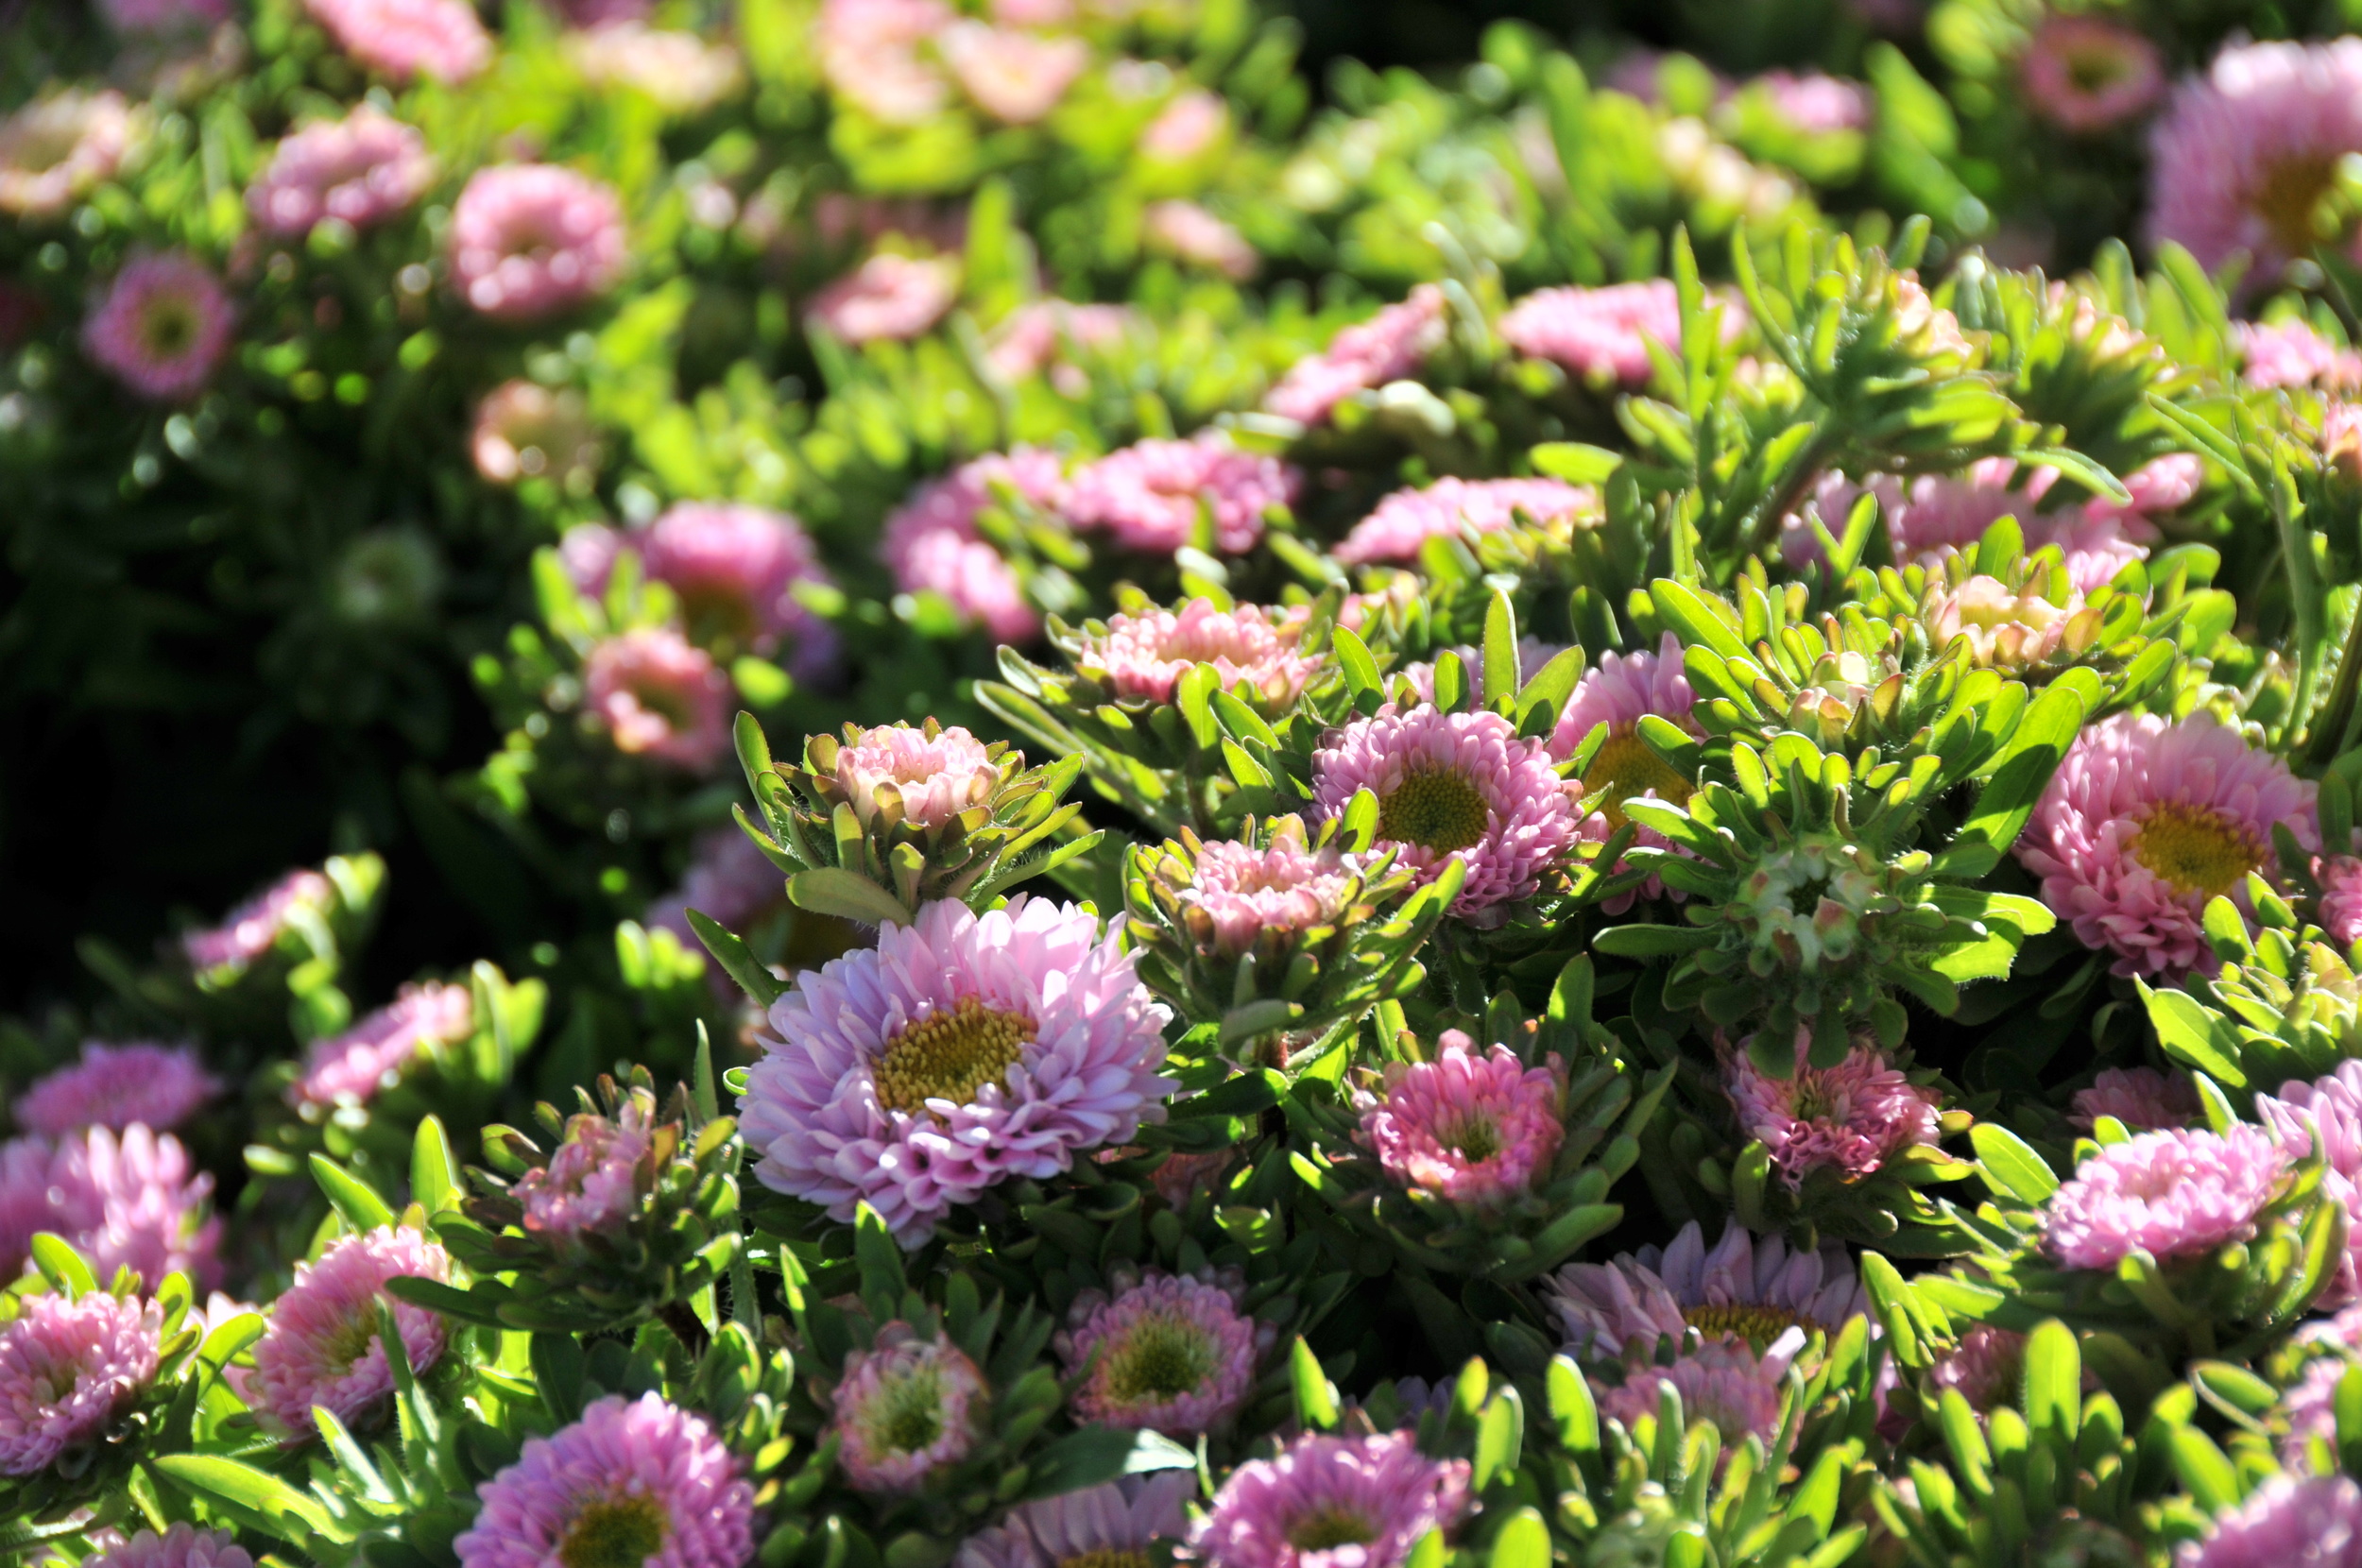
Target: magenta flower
<point>2244,153</point>
<point>933,778</point>
<point>2290,352</point>
<point>1987,1365</point>
<point>2146,821</point>
<point>525,430</point>
<point>1602,335</point>
<point>2086,74</point>
<point>888,298</point>
<point>1239,891</point>
<point>1456,785</point>
<point>125,1200</point>
<point>1333,1503</point>
<point>54,149</point>
<point>905,1409</point>
<point>735,569</point>
<point>2316,1519</point>
<point>254,929</point>
<point>962,1050</point>
<point>1850,1118</point>
<point>1617,692</point>
<point>1724,1381</point>
<point>1169,1352</point>
<point>1143,657</point>
<point>1475,1129</point>
<point>1752,1287</point>
<point>1816,102</point>
<point>2341,910</point>
<point>2143,1099</point>
<point>730,880</point>
<point>2330,1108</point>
<point>405,39</point>
<point>2310,1408</point>
<point>530,240</point>
<point>2169,1194</point>
<point>162,328</point>
<point>1449,508</point>
<point>1389,346</point>
<point>1150,495</point>
<point>1189,123</point>
<point>868,50</point>
<point>182,1546</point>
<point>661,696</point>
<point>1188,232</point>
<point>1038,336</point>
<point>931,543</point>
<point>1013,75</point>
<point>1110,1525</point>
<point>633,1481</point>
<point>323,1347</point>
<point>360,170</point>
<point>592,1183</point>
<point>114,1086</point>
<point>67,1370</point>
<point>349,1068</point>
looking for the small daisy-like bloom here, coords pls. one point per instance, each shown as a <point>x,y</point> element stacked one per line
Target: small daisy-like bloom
<point>678,71</point>
<point>1333,1503</point>
<point>54,149</point>
<point>112,1086</point>
<point>1144,657</point>
<point>730,880</point>
<point>1239,891</point>
<point>961,1051</point>
<point>1724,1381</point>
<point>2085,74</point>
<point>935,778</point>
<point>2146,821</point>
<point>661,696</point>
<point>735,569</point>
<point>1362,358</point>
<point>67,1368</point>
<point>1187,232</point>
<point>530,240</point>
<point>634,1481</point>
<point>2005,629</point>
<point>405,39</point>
<point>2340,911</point>
<point>350,1068</point>
<point>162,328</point>
<point>1616,691</point>
<point>1186,125</point>
<point>2290,354</point>
<point>1448,508</point>
<point>1851,1118</point>
<point>2315,1519</point>
<point>1104,1526</point>
<point>1014,76</point>
<point>2143,1099</point>
<point>2169,1194</point>
<point>182,1546</point>
<point>1473,1128</point>
<point>1168,1353</point>
<point>1753,1287</point>
<point>1602,335</point>
<point>125,1200</point>
<point>1986,1365</point>
<point>888,298</point>
<point>323,1345</point>
<point>2331,1108</point>
<point>930,542</point>
<point>1457,786</point>
<point>525,430</point>
<point>1816,102</point>
<point>906,1408</point>
<point>868,50</point>
<point>592,1183</point>
<point>360,170</point>
<point>1149,495</point>
<point>2244,153</point>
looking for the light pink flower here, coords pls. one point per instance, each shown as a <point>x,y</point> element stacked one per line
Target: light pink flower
<point>869,52</point>
<point>1143,657</point>
<point>1104,1524</point>
<point>931,543</point>
<point>2315,1519</point>
<point>254,929</point>
<point>1987,1365</point>
<point>1617,692</point>
<point>114,1086</point>
<point>678,71</point>
<point>2169,1194</point>
<point>124,1200</point>
<point>1473,1128</point>
<point>1188,231</point>
<point>67,1370</point>
<point>1186,125</point>
<point>1014,76</point>
<point>525,430</point>
<point>1851,1118</point>
<point>1752,1287</point>
<point>2341,910</point>
<point>661,696</point>
<point>2143,1099</point>
<point>1405,519</point>
<point>1724,1381</point>
<point>1172,1353</point>
<point>1602,335</point>
<point>2146,821</point>
<point>2005,629</point>
<point>350,1068</point>
<point>404,39</point>
<point>1148,494</point>
<point>934,779</point>
<point>56,149</point>
<point>735,569</point>
<point>1240,891</point>
<point>183,1545</point>
<point>2330,1108</point>
<point>322,1346</point>
<point>1328,1502</point>
<point>591,1183</point>
<point>589,552</point>
<point>888,298</point>
<point>162,328</point>
<point>2289,352</point>
<point>360,170</point>
<point>2086,74</point>
<point>2310,1409</point>
<point>1035,337</point>
<point>906,1408</point>
<point>531,240</point>
<point>1389,346</point>
<point>1816,102</point>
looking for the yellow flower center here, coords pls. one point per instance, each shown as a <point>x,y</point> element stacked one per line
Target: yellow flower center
<point>616,1532</point>
<point>1105,1557</point>
<point>169,326</point>
<point>2196,849</point>
<point>1437,809</point>
<point>950,1054</point>
<point>1325,1530</point>
<point>1162,1358</point>
<point>1756,1322</point>
<point>1624,767</point>
<point>2289,195</point>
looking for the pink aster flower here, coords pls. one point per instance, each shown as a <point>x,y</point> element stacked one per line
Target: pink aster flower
<point>1987,1365</point>
<point>1104,1524</point>
<point>254,929</point>
<point>530,240</point>
<point>67,1370</point>
<point>1151,494</point>
<point>736,570</point>
<point>1144,657</point>
<point>592,1183</point>
<point>1240,891</point>
<point>931,543</point>
<point>350,1068</point>
<point>589,552</point>
<point>2316,1519</point>
<point>678,71</point>
<point>2004,629</point>
<point>404,39</point>
<point>868,50</point>
<point>1457,786</point>
<point>54,149</point>
<point>1389,346</point>
<point>1816,102</point>
<point>1850,1118</point>
<point>182,1546</point>
<point>1722,1381</point>
<point>1475,1129</point>
<point>2084,74</point>
<point>888,298</point>
<point>322,1346</point>
<point>1753,1287</point>
<point>962,1050</point>
<point>162,328</point>
<point>661,696</point>
<point>1329,1502</point>
<point>525,430</point>
<point>128,1199</point>
<point>2330,1108</point>
<point>360,170</point>
<point>2341,910</point>
<point>1169,1352</point>
<point>933,778</point>
<point>2290,352</point>
<point>1602,335</point>
<point>1192,235</point>
<point>2146,821</point>
<point>2143,1099</point>
<point>114,1086</point>
<point>905,1409</point>
<point>2310,1408</point>
<point>1014,76</point>
<point>1616,691</point>
<point>1192,122</point>
<point>640,1480</point>
<point>1038,337</point>
<point>728,880</point>
<point>2170,1194</point>
<point>2243,154</point>
<point>1448,508</point>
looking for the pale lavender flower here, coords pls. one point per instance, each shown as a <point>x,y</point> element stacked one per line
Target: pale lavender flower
<point>1015,77</point>
<point>1169,1352</point>
<point>2331,1109</point>
<point>1724,1381</point>
<point>114,1086</point>
<point>1618,691</point>
<point>1328,1502</point>
<point>1192,121</point>
<point>130,1200</point>
<point>2170,1194</point>
<point>1106,1526</point>
<point>1475,1128</point>
<point>1191,234</point>
<point>736,570</point>
<point>868,50</point>
<point>1987,1365</point>
<point>360,170</point>
<point>2087,75</point>
<point>2313,1520</point>
<point>67,1370</point>
<point>350,1068</point>
<point>322,1346</point>
<point>2290,352</point>
<point>183,1545</point>
<point>730,880</point>
<point>906,1408</point>
<point>1602,335</point>
<point>1755,1288</point>
<point>931,542</point>
<point>2341,910</point>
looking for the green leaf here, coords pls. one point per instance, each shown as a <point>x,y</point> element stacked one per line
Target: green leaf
<point>2194,1033</point>
<point>1500,650</point>
<point>1572,1407</point>
<point>1316,1402</point>
<point>210,1475</point>
<point>2010,1164</point>
<point>2054,1384</point>
<point>434,1182</point>
<point>1696,620</point>
<point>1524,1542</point>
<point>736,958</point>
<point>1576,463</point>
<point>833,890</point>
<point>1651,941</point>
<point>2019,777</point>
<point>62,1265</point>
<point>354,1197</point>
<point>1096,1455</point>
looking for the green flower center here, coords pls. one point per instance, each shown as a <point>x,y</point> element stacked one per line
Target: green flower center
<point>1625,767</point>
<point>1473,1138</point>
<point>614,1532</point>
<point>1105,1557</point>
<point>1758,1322</point>
<point>2196,849</point>
<point>2289,195</point>
<point>1325,1530</point>
<point>2094,70</point>
<point>908,1416</point>
<point>950,1054</point>
<point>1161,1359</point>
<point>167,327</point>
<point>1437,809</point>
